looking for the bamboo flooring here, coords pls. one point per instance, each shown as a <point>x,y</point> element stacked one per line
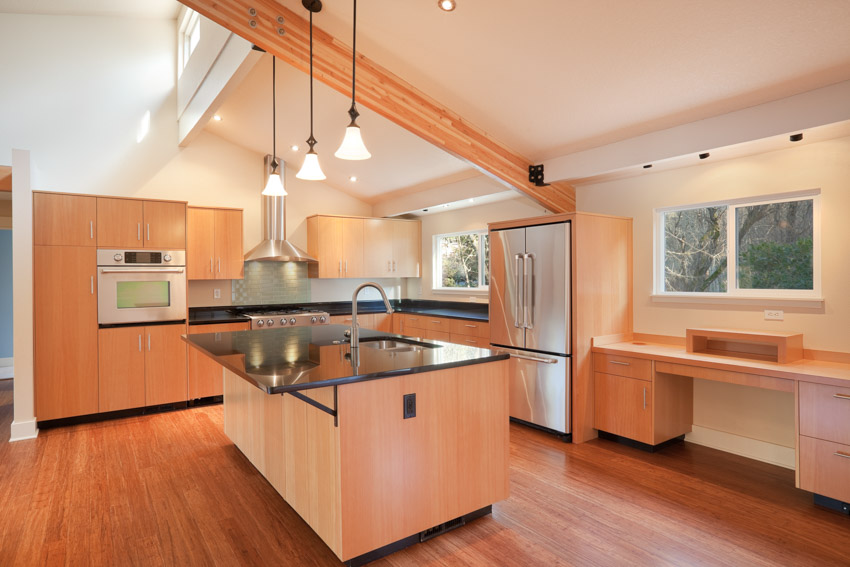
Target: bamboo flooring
<point>170,489</point>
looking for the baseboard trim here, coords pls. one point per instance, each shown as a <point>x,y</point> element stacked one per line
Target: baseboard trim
<point>743,446</point>
<point>22,430</point>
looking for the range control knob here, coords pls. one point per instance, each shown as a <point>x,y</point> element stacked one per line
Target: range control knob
<point>118,257</point>
<point>261,323</point>
<point>283,321</point>
<point>167,257</point>
<point>322,319</point>
<point>270,323</point>
<point>292,321</point>
<point>313,320</point>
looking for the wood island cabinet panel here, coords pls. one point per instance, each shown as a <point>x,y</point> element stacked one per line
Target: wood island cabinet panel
<point>204,373</point>
<point>623,406</point>
<point>165,365</point>
<point>121,364</point>
<point>407,248</point>
<point>165,225</point>
<point>65,331</point>
<point>200,244</point>
<point>228,245</point>
<point>378,239</point>
<point>120,223</point>
<point>64,220</point>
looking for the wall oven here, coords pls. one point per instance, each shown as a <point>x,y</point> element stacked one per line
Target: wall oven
<point>140,286</point>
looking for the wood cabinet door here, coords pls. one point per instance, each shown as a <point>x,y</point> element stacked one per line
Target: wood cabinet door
<point>329,247</point>
<point>200,244</point>
<point>383,322</point>
<point>352,248</point>
<point>65,325</point>
<point>64,220</point>
<point>623,406</point>
<point>205,375</point>
<point>165,365</point>
<point>377,247</point>
<point>165,225</point>
<point>228,245</point>
<point>121,365</point>
<point>119,223</point>
<point>407,248</point>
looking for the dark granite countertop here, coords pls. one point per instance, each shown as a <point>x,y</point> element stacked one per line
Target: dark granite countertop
<point>300,358</point>
<point>451,309</point>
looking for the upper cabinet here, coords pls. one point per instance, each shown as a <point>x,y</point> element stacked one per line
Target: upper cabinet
<point>64,220</point>
<point>214,244</point>
<point>133,223</point>
<point>349,247</point>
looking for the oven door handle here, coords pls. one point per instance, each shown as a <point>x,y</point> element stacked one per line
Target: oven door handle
<point>142,271</point>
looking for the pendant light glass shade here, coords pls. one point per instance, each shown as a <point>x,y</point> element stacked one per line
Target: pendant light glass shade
<point>274,186</point>
<point>310,169</point>
<point>352,146</point>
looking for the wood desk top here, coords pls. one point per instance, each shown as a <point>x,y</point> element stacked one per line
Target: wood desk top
<point>805,370</point>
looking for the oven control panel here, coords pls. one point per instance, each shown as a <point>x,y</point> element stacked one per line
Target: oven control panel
<point>141,257</point>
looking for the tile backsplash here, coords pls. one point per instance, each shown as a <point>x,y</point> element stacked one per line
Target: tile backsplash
<point>272,282</point>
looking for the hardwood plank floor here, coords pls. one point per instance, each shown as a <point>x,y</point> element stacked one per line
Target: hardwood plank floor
<point>170,489</point>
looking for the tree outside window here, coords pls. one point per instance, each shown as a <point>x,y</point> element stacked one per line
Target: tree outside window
<point>462,261</point>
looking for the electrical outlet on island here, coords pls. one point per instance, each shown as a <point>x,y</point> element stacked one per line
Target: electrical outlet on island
<point>774,315</point>
<point>216,293</point>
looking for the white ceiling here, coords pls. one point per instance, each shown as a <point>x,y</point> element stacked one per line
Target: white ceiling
<point>167,9</point>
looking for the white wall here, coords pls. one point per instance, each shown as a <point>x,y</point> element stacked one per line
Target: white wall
<point>458,220</point>
<point>761,415</point>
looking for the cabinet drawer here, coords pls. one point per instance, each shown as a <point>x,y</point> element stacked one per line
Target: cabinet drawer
<point>471,328</point>
<point>435,335</point>
<point>412,321</point>
<point>623,366</point>
<point>479,342</point>
<point>825,468</point>
<point>825,412</point>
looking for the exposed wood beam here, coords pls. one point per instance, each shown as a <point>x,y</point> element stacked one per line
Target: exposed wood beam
<point>381,91</point>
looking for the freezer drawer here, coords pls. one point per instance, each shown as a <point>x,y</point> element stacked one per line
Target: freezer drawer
<point>539,387</point>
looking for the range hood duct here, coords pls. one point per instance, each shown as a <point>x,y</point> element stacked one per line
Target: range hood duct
<point>274,247</point>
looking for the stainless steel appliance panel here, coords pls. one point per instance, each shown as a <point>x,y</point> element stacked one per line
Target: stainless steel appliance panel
<point>507,248</point>
<point>547,287</point>
<point>539,386</point>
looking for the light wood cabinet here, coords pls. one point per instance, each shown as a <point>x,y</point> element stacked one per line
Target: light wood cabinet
<point>623,406</point>
<point>205,375</point>
<point>135,223</point>
<point>214,244</point>
<point>165,365</point>
<point>121,364</point>
<point>467,332</point>
<point>65,330</point>
<point>824,440</point>
<point>64,220</point>
<point>349,247</point>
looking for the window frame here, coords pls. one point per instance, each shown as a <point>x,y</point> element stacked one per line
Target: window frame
<point>437,264</point>
<point>190,20</point>
<point>733,292</point>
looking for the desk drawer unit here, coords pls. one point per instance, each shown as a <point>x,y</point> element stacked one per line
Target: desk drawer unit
<point>825,468</point>
<point>824,447</point>
<point>825,412</point>
<point>623,366</point>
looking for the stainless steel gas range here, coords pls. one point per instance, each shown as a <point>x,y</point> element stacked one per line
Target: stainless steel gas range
<point>287,318</point>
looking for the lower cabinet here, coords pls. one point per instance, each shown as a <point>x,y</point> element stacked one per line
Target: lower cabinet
<point>141,366</point>
<point>623,406</point>
<point>205,375</point>
<point>824,443</point>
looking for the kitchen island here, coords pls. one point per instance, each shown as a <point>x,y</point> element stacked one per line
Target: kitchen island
<point>375,451</point>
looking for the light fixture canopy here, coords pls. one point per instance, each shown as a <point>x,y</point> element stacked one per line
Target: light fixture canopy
<point>352,147</point>
<point>274,184</point>
<point>310,169</point>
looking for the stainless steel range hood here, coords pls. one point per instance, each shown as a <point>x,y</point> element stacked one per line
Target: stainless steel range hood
<point>274,247</point>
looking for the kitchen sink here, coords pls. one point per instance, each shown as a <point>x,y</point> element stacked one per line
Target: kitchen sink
<point>396,345</point>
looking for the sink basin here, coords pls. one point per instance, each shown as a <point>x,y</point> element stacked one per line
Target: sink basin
<point>395,345</point>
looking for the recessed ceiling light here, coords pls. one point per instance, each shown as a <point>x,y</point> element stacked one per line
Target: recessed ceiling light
<point>647,166</point>
<point>446,5</point>
<point>796,137</point>
<point>704,155</point>
<point>217,118</point>
<point>294,147</point>
<point>353,178</point>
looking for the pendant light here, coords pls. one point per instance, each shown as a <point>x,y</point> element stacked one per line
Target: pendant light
<point>310,169</point>
<point>352,146</point>
<point>274,185</point>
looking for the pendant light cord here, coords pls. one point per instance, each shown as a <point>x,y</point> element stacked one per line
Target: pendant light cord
<point>312,140</point>
<point>274,116</point>
<point>354,55</point>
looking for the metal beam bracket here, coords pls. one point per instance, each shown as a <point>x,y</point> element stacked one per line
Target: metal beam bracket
<point>330,411</point>
<point>535,175</point>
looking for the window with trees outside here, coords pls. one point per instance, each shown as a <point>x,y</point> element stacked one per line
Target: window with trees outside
<point>462,261</point>
<point>765,247</point>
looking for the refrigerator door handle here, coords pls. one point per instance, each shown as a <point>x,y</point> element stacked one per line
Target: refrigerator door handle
<point>531,358</point>
<point>526,285</point>
<point>517,258</point>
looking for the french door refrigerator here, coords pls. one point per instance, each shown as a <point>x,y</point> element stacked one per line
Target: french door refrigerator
<point>530,319</point>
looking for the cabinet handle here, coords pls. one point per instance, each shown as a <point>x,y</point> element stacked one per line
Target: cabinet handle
<point>842,454</point>
<point>471,326</point>
<point>91,283</point>
<point>340,267</point>
<point>394,268</point>
<point>211,265</point>
<point>346,266</point>
<point>138,231</point>
<point>644,398</point>
<point>841,396</point>
<point>91,229</point>
<point>618,362</point>
<point>149,231</point>
<point>140,343</point>
<point>149,342</point>
<point>219,265</point>
<point>436,321</point>
<point>389,266</point>
<point>471,341</point>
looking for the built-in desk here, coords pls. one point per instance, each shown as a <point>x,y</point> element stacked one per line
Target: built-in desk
<point>644,392</point>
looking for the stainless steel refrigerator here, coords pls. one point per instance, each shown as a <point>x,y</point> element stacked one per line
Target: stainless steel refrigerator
<point>530,318</point>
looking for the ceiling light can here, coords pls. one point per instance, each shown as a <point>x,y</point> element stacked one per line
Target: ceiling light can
<point>446,5</point>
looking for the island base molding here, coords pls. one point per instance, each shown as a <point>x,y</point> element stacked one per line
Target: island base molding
<point>378,479</point>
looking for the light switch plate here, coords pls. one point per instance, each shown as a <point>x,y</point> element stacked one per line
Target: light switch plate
<point>774,315</point>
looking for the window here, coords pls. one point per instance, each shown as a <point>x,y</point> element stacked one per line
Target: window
<point>462,261</point>
<point>188,38</point>
<point>768,247</point>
